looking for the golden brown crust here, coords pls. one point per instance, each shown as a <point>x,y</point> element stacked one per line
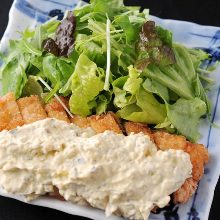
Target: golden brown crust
<point>164,141</point>
<point>31,109</point>
<point>56,194</point>
<point>10,116</point>
<point>198,153</point>
<point>133,127</point>
<point>199,157</point>
<point>109,121</point>
<point>55,110</point>
<point>183,194</point>
<point>80,121</point>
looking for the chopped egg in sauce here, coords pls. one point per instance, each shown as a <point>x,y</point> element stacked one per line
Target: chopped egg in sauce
<point>125,175</point>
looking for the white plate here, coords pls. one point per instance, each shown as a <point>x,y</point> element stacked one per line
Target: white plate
<point>29,12</point>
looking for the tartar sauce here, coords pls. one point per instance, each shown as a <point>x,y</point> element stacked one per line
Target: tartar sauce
<point>123,175</point>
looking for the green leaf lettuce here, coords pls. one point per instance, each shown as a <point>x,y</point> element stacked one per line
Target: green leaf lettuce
<point>87,83</point>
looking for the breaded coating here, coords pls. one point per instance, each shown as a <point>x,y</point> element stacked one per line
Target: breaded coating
<point>133,127</point>
<point>56,194</point>
<point>199,157</point>
<point>165,141</point>
<point>198,153</point>
<point>109,121</point>
<point>80,121</point>
<point>55,110</point>
<point>183,194</point>
<point>10,116</point>
<point>31,109</point>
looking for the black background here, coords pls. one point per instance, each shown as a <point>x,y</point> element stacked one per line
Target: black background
<point>207,13</point>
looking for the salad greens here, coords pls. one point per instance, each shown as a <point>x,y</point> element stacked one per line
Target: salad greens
<point>86,85</point>
<point>106,56</point>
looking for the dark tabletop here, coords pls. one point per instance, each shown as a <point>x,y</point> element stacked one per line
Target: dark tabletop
<point>198,11</point>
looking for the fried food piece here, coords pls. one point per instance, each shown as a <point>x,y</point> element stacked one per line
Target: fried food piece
<point>55,110</point>
<point>133,127</point>
<point>198,153</point>
<point>10,116</point>
<point>109,121</point>
<point>80,121</point>
<point>99,123</point>
<point>183,194</point>
<point>199,157</point>
<point>31,109</point>
<point>165,141</point>
<point>56,194</point>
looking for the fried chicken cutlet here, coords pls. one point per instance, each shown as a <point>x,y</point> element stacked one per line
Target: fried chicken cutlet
<point>10,115</point>
<point>164,141</point>
<point>32,110</point>
<point>55,110</point>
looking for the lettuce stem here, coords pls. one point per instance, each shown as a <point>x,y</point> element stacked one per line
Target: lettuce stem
<point>108,42</point>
